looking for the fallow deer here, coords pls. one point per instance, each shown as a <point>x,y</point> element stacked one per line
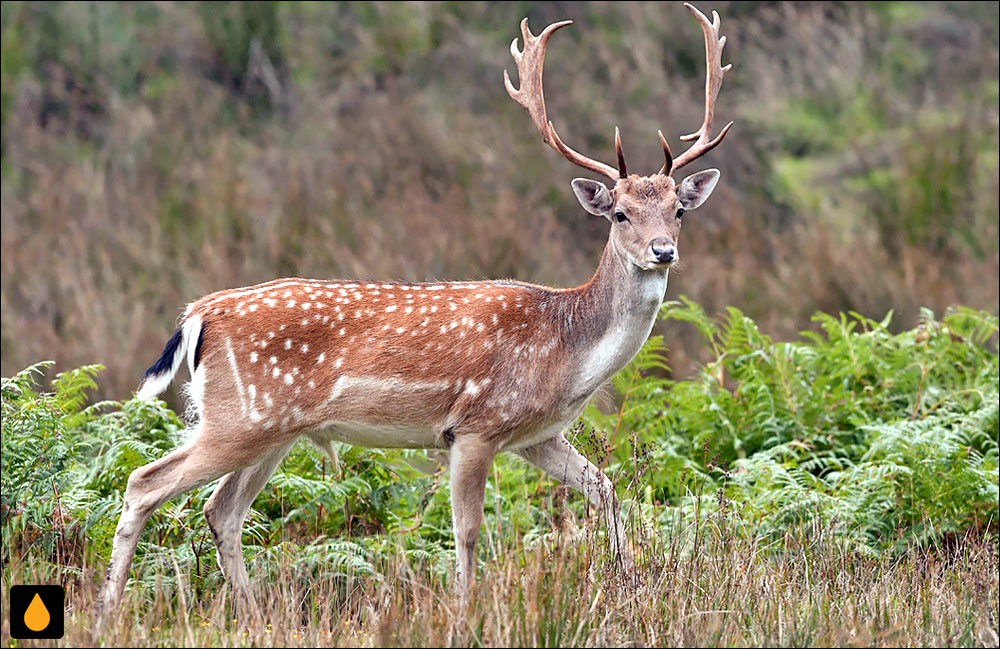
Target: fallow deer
<point>475,368</point>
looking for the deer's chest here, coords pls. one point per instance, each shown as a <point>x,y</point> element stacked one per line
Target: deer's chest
<point>612,349</point>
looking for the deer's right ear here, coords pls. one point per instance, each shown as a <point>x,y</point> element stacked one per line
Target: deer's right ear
<point>594,196</point>
<point>696,188</point>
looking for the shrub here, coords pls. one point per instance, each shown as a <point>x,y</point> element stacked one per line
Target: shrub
<point>885,439</point>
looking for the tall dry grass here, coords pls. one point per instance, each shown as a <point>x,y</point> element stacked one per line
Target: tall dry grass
<point>701,586</point>
<point>156,152</point>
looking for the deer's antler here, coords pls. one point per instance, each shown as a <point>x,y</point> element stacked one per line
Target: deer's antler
<point>704,143</point>
<point>529,71</point>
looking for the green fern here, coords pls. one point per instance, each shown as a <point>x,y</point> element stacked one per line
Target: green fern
<point>888,439</point>
<point>874,440</point>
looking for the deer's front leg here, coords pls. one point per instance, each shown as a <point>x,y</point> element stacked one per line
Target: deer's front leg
<point>560,460</point>
<point>470,465</point>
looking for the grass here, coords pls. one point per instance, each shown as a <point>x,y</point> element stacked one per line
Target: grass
<point>701,585</point>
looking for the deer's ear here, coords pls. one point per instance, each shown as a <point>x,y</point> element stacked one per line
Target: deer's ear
<point>594,196</point>
<point>696,188</point>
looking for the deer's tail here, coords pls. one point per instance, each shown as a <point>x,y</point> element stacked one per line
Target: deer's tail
<point>186,341</point>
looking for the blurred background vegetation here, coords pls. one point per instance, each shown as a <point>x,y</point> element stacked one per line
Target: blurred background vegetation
<point>154,152</point>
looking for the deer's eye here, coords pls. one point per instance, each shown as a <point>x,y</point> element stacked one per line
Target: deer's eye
<point>680,212</point>
<point>620,216</point>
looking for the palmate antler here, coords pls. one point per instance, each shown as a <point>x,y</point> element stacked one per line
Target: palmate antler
<point>714,72</point>
<point>529,72</point>
<point>530,62</point>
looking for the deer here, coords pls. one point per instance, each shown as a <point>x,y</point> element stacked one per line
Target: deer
<point>469,368</point>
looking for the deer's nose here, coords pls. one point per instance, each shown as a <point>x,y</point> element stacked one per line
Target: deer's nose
<point>664,251</point>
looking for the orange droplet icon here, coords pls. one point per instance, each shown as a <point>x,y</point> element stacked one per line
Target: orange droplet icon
<point>37,616</point>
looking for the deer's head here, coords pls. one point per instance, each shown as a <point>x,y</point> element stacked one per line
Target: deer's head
<point>645,211</point>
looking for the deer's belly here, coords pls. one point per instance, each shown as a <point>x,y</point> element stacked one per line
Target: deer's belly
<point>383,412</point>
<point>375,435</point>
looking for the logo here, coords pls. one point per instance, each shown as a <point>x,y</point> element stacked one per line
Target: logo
<point>37,612</point>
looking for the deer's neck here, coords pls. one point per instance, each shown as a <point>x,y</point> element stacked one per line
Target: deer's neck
<point>609,318</point>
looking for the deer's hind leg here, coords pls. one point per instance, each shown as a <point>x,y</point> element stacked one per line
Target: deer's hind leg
<point>225,513</point>
<point>208,455</point>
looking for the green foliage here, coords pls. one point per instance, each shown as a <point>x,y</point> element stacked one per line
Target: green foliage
<point>887,440</point>
<point>880,441</point>
<point>65,465</point>
<point>42,446</point>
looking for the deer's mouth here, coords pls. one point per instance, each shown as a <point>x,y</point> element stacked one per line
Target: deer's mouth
<point>659,265</point>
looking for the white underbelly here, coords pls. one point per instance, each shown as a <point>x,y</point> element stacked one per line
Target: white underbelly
<point>378,435</point>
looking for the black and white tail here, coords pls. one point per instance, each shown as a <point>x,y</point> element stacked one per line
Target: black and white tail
<point>186,341</point>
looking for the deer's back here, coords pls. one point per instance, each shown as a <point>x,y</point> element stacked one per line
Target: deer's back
<point>382,364</point>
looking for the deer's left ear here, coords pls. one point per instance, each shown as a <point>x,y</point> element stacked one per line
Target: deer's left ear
<point>594,196</point>
<point>696,188</point>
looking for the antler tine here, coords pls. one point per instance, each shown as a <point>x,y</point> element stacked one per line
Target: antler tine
<point>714,44</point>
<point>668,165</point>
<point>530,62</point>
<point>622,171</point>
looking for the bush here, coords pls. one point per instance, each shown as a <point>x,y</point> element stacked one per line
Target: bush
<point>887,440</point>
